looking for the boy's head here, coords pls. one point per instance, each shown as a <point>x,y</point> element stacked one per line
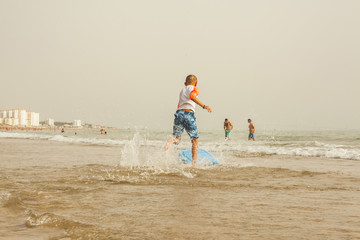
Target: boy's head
<point>226,119</point>
<point>249,120</point>
<point>191,80</point>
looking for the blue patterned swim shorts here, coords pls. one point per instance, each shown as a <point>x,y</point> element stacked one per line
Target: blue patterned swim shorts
<point>185,120</point>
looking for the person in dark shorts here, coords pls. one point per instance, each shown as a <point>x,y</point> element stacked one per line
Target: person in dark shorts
<point>185,116</point>
<point>251,130</point>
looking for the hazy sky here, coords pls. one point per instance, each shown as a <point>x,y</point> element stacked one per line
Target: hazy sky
<point>286,64</point>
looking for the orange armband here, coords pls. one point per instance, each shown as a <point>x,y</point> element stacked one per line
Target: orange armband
<point>194,93</point>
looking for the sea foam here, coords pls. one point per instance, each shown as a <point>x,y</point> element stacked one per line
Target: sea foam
<point>131,147</point>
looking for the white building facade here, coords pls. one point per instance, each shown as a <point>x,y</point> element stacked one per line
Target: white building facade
<point>3,114</point>
<point>50,122</point>
<point>33,119</point>
<point>23,118</point>
<point>77,123</point>
<point>19,117</point>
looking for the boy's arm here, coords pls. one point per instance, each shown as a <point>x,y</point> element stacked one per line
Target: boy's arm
<point>198,102</point>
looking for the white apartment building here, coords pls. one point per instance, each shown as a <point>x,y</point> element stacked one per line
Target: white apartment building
<point>15,113</point>
<point>50,122</point>
<point>77,123</point>
<point>3,114</point>
<point>23,118</point>
<point>33,119</point>
<point>19,117</point>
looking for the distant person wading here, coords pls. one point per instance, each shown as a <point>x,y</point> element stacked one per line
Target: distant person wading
<point>228,126</point>
<point>251,130</point>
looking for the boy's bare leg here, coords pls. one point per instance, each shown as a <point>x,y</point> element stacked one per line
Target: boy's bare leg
<point>171,141</point>
<point>195,144</point>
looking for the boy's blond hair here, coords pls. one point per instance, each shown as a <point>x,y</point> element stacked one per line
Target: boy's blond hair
<point>191,79</point>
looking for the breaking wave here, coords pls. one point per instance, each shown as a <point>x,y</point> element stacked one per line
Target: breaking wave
<point>243,148</point>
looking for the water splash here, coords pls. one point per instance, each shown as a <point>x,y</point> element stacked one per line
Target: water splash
<point>137,154</point>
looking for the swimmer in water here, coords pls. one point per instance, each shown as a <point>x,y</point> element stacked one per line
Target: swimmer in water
<point>251,130</point>
<point>228,126</point>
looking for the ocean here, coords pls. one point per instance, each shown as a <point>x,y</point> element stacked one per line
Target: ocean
<point>123,185</point>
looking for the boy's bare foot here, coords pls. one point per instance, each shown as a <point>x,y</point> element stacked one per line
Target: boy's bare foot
<point>170,142</point>
<point>167,145</point>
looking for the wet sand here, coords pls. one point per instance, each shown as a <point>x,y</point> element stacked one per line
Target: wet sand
<point>75,191</point>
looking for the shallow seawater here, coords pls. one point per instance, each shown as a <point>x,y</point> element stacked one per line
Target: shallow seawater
<point>124,186</point>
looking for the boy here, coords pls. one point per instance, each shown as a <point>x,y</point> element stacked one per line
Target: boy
<point>227,127</point>
<point>251,130</point>
<point>185,116</point>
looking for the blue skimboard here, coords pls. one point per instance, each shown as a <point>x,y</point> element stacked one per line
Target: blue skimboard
<point>203,155</point>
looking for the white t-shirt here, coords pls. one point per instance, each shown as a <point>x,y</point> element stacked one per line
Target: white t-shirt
<point>185,96</point>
